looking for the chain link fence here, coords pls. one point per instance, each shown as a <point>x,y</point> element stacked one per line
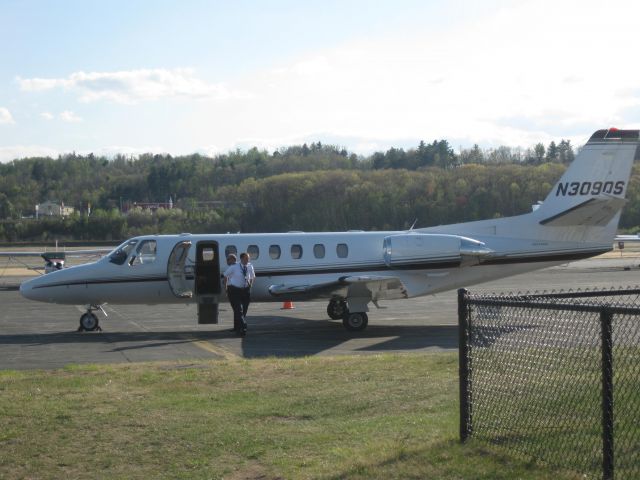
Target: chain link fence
<point>554,377</point>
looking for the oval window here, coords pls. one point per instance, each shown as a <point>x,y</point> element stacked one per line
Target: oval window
<point>342,250</point>
<point>254,251</point>
<point>229,249</point>
<point>318,250</point>
<point>296,251</point>
<point>274,252</point>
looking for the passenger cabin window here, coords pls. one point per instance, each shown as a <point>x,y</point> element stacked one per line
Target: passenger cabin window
<point>318,250</point>
<point>296,251</point>
<point>119,256</point>
<point>274,252</point>
<point>145,253</point>
<point>254,251</point>
<point>342,250</point>
<point>229,249</point>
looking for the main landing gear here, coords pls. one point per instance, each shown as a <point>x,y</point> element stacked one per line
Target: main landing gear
<point>352,321</point>
<point>356,321</point>
<point>336,309</point>
<point>89,321</point>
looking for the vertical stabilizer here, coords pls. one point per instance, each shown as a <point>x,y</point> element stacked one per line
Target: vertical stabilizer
<point>591,192</point>
<point>601,170</point>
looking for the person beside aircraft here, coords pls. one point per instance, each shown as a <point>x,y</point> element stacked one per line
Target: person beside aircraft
<point>249,275</point>
<point>238,280</point>
<point>231,260</point>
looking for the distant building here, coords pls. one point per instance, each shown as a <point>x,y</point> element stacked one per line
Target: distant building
<point>53,209</point>
<point>153,206</point>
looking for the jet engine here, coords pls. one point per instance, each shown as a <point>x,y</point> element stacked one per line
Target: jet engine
<point>423,248</point>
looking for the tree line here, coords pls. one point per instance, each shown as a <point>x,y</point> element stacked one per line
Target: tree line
<point>312,187</point>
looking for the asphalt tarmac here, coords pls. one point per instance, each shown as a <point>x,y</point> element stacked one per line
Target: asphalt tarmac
<point>42,336</point>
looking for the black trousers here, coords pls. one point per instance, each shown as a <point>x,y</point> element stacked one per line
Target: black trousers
<point>239,299</point>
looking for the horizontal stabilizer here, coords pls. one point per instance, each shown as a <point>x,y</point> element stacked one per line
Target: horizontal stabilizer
<point>597,211</point>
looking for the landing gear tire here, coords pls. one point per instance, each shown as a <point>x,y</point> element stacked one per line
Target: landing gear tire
<point>89,322</point>
<point>337,309</point>
<point>355,322</point>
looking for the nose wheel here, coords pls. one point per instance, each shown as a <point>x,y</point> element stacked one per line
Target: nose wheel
<point>89,321</point>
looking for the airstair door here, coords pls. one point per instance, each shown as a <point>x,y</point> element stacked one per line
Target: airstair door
<point>207,281</point>
<point>207,268</point>
<point>180,287</point>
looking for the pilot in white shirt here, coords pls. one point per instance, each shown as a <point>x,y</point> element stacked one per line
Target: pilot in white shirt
<point>238,280</point>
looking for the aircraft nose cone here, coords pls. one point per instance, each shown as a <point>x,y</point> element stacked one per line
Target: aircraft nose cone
<point>26,290</point>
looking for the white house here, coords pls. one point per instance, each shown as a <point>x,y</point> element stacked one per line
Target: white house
<point>53,209</point>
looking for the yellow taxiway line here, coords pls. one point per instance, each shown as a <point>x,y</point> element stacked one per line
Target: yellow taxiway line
<point>212,348</point>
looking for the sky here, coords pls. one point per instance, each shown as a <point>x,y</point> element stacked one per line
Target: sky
<point>191,76</point>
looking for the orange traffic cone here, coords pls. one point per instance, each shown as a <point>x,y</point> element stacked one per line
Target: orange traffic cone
<point>287,305</point>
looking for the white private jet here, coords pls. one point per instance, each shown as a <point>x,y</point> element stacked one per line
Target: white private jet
<point>578,219</point>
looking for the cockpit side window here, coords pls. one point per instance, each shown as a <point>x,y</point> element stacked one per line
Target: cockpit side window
<point>145,253</point>
<point>120,254</point>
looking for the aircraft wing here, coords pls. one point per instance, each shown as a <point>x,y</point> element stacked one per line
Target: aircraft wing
<point>627,238</point>
<point>67,253</point>
<point>375,287</point>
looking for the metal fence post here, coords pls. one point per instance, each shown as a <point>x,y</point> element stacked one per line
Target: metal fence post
<point>606,318</point>
<point>463,364</point>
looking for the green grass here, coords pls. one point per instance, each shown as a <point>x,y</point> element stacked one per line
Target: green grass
<point>348,417</point>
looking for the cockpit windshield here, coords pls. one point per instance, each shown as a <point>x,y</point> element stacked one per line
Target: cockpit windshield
<point>120,254</point>
<point>145,253</point>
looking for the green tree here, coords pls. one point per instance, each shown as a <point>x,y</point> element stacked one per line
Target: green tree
<point>540,152</point>
<point>552,152</point>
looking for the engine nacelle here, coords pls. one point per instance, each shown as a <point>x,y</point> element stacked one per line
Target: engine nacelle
<point>418,249</point>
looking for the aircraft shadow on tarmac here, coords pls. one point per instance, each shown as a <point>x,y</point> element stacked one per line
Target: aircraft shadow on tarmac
<point>267,336</point>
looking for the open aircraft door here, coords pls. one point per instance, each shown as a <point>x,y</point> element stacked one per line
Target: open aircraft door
<point>175,270</point>
<point>207,281</point>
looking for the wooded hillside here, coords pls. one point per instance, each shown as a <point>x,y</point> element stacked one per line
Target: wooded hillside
<point>312,188</point>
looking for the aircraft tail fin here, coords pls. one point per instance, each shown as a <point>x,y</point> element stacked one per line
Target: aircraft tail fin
<point>591,192</point>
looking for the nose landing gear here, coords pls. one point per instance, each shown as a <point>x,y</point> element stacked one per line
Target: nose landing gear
<point>89,321</point>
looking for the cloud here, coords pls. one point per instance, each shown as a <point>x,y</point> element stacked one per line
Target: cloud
<point>23,151</point>
<point>69,116</point>
<point>515,76</point>
<point>316,65</point>
<point>15,152</point>
<point>47,115</point>
<point>5,116</point>
<point>129,151</point>
<point>133,86</point>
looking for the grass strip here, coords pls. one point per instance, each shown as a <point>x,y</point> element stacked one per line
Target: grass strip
<point>347,417</point>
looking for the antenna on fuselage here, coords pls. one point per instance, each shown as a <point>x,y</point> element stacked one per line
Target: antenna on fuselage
<point>413,224</point>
